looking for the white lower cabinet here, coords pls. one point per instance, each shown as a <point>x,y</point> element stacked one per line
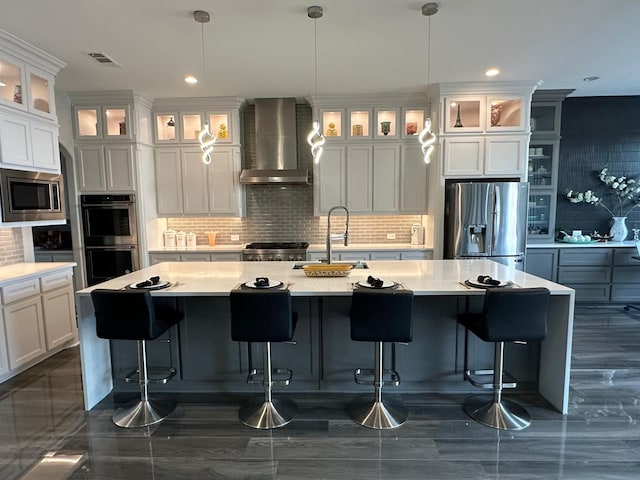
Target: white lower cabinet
<point>59,315</point>
<point>156,258</point>
<point>38,318</point>
<point>24,326</point>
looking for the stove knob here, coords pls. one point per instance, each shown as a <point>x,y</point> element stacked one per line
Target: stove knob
<point>279,258</point>
<point>291,259</point>
<point>300,259</point>
<point>270,259</point>
<point>257,258</point>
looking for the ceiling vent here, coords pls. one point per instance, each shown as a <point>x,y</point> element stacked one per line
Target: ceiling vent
<point>103,59</point>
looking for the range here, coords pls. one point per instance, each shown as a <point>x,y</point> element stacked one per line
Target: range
<point>275,251</point>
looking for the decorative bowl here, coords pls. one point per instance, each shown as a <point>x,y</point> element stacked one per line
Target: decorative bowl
<point>327,270</point>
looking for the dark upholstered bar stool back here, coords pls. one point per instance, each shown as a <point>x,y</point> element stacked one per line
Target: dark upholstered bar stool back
<point>261,316</point>
<point>132,315</point>
<point>264,316</point>
<point>508,315</point>
<point>380,316</point>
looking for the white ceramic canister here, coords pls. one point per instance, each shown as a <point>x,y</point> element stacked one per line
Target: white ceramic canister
<point>191,240</point>
<point>169,238</point>
<point>181,239</point>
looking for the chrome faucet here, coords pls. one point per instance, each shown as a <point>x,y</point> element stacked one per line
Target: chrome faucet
<point>343,236</point>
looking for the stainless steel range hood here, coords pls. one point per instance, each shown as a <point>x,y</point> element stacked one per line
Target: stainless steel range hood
<point>276,144</point>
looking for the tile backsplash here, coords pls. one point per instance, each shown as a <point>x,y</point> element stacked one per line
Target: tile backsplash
<point>276,214</point>
<point>11,248</point>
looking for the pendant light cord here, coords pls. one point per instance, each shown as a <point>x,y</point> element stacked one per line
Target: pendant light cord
<point>204,64</point>
<point>429,65</point>
<point>315,57</point>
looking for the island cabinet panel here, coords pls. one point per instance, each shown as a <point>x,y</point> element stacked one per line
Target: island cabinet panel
<point>207,359</point>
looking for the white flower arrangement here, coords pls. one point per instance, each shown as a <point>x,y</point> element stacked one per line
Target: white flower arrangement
<point>626,191</point>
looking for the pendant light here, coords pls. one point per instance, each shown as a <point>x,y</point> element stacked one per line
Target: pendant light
<point>206,138</point>
<point>315,139</point>
<point>427,138</point>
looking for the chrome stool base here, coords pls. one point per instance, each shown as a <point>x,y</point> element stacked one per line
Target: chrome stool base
<point>142,413</point>
<point>503,415</point>
<point>258,413</point>
<point>378,415</point>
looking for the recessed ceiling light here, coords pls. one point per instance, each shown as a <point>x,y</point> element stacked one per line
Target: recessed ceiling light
<point>592,78</point>
<point>191,80</point>
<point>492,72</point>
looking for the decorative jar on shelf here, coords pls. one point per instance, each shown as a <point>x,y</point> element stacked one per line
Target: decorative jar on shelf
<point>619,229</point>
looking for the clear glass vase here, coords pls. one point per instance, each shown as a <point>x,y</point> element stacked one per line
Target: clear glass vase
<point>619,229</point>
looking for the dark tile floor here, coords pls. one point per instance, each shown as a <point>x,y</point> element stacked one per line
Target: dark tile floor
<point>41,410</point>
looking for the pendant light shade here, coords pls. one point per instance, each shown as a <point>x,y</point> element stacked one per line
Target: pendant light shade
<point>427,138</point>
<point>315,139</point>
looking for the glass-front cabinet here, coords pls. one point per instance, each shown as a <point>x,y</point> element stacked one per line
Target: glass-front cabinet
<point>41,93</point>
<point>505,113</point>
<point>331,124</point>
<point>413,122</point>
<point>545,118</point>
<point>360,123</point>
<point>387,123</point>
<point>11,81</point>
<point>185,127</point>
<point>542,212</point>
<point>464,114</point>
<point>95,122</point>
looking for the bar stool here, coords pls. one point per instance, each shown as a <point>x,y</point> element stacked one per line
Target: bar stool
<point>132,315</point>
<point>264,316</point>
<point>380,316</point>
<point>508,315</point>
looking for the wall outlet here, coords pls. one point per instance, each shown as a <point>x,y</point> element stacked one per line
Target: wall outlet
<point>235,238</point>
<point>391,236</point>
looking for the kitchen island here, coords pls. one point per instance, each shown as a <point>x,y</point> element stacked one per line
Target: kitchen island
<point>323,359</point>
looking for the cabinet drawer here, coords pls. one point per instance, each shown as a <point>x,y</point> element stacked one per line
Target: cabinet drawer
<point>227,257</point>
<point>623,256</point>
<point>391,255</point>
<point>586,256</point>
<point>195,257</point>
<point>599,275</point>
<point>19,290</point>
<point>625,293</point>
<point>416,255</point>
<point>55,280</point>
<point>591,293</point>
<point>627,275</point>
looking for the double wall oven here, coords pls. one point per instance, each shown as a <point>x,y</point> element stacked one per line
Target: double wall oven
<point>110,236</point>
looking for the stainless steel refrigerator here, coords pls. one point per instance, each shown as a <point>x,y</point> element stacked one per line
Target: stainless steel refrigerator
<point>487,220</point>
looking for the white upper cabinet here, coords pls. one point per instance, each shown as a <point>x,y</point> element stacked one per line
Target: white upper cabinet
<point>28,121</point>
<point>484,129</point>
<point>371,142</point>
<point>103,122</point>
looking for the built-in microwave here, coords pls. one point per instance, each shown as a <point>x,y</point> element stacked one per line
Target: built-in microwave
<point>31,196</point>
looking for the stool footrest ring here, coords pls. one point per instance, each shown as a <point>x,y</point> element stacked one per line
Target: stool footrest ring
<point>155,375</point>
<point>256,376</point>
<point>393,375</point>
<point>472,376</point>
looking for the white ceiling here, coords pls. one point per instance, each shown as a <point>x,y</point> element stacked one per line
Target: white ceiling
<point>265,48</point>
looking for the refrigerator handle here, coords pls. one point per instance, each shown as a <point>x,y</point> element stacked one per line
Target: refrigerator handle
<point>496,216</point>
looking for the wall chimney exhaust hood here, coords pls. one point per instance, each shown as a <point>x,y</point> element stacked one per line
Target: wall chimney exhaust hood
<point>276,144</point>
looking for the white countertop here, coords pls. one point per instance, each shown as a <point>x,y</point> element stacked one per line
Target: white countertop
<point>424,277</point>
<point>19,271</point>
<point>625,244</point>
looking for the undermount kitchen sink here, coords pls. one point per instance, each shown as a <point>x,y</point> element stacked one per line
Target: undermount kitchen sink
<point>358,264</point>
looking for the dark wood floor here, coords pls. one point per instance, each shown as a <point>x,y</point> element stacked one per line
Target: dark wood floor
<point>41,410</point>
